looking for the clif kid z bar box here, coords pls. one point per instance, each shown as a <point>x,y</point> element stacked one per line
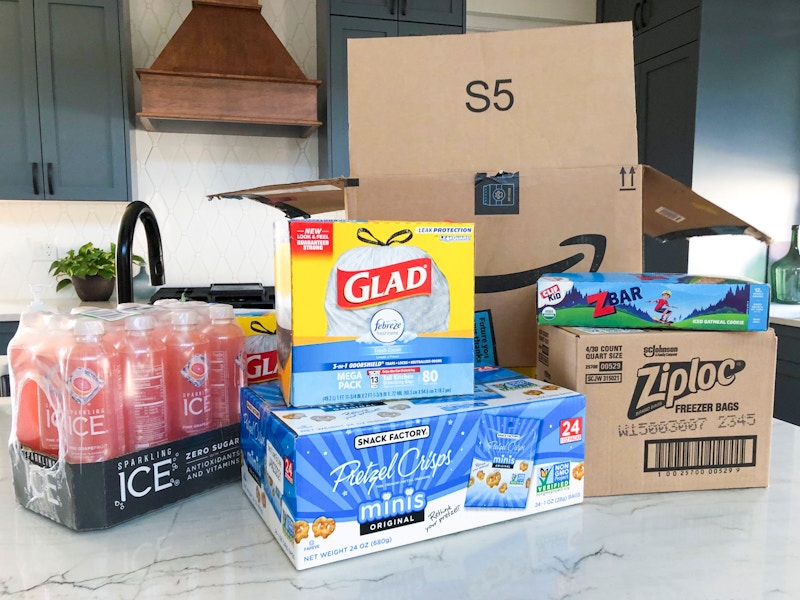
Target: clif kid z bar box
<point>373,310</point>
<point>653,300</point>
<point>336,482</point>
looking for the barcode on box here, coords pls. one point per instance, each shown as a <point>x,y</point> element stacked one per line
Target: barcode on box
<point>699,453</point>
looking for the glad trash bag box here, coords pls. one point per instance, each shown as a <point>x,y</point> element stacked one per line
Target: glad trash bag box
<point>373,310</point>
<point>336,482</point>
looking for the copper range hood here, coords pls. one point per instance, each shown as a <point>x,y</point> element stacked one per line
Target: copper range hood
<point>225,65</point>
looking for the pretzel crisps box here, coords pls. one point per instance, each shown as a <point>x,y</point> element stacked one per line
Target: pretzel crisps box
<point>653,301</point>
<point>373,310</point>
<point>670,410</point>
<point>336,482</point>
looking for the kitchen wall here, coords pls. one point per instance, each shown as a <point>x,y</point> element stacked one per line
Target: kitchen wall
<point>204,242</point>
<point>218,241</point>
<point>747,139</point>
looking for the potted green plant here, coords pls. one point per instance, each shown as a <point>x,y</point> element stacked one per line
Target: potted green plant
<point>91,270</point>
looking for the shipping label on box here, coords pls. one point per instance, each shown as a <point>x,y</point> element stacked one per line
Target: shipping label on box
<point>374,310</point>
<point>336,482</point>
<point>670,410</point>
<point>653,301</point>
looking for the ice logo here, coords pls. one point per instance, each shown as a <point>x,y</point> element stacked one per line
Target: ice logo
<point>84,384</point>
<point>196,370</point>
<point>387,325</point>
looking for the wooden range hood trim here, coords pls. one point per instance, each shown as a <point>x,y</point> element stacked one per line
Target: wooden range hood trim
<point>224,64</point>
<point>314,82</point>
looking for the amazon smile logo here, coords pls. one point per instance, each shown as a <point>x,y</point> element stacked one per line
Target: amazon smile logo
<point>490,284</point>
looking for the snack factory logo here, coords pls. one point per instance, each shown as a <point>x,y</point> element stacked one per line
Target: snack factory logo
<point>660,385</point>
<point>357,289</point>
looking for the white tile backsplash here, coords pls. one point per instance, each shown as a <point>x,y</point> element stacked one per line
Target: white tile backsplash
<point>204,242</point>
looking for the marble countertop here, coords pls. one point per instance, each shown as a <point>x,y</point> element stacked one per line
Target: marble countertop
<point>785,314</point>
<point>10,310</point>
<point>720,544</point>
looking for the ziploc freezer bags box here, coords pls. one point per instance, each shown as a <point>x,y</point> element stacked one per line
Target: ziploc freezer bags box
<point>653,301</point>
<point>336,482</point>
<point>373,310</point>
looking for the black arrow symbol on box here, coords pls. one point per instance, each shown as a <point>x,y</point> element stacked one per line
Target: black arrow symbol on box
<point>632,173</point>
<point>622,175</point>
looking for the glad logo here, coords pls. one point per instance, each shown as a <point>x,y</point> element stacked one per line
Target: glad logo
<point>357,289</point>
<point>261,366</point>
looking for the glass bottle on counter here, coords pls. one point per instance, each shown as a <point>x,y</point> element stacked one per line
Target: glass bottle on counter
<point>785,274</point>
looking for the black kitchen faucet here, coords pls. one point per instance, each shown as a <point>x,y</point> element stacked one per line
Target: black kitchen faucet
<point>135,211</point>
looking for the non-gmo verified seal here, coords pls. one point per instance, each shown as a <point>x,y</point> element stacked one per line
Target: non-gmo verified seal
<point>387,325</point>
<point>548,313</point>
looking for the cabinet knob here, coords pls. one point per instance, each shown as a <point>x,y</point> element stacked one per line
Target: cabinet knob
<point>392,6</point>
<point>404,7</point>
<point>35,175</point>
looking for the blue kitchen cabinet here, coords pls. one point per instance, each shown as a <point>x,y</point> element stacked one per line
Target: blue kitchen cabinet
<point>340,20</point>
<point>64,132</point>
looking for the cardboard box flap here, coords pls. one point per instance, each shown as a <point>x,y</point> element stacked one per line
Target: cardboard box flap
<point>297,200</point>
<point>671,210</point>
<point>488,102</point>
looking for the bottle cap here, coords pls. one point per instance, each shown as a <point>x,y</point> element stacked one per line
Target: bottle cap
<point>165,301</point>
<point>58,322</point>
<point>221,311</point>
<point>87,326</point>
<point>184,317</point>
<point>34,320</point>
<point>139,323</point>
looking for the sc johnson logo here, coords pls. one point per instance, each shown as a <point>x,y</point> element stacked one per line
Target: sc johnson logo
<point>660,385</point>
<point>659,350</point>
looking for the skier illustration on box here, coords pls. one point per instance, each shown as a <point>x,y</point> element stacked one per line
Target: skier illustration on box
<point>663,307</point>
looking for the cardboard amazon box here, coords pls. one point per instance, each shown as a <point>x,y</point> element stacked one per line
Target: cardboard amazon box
<point>670,410</point>
<point>529,134</point>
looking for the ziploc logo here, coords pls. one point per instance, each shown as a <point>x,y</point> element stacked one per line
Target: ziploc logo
<point>553,477</point>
